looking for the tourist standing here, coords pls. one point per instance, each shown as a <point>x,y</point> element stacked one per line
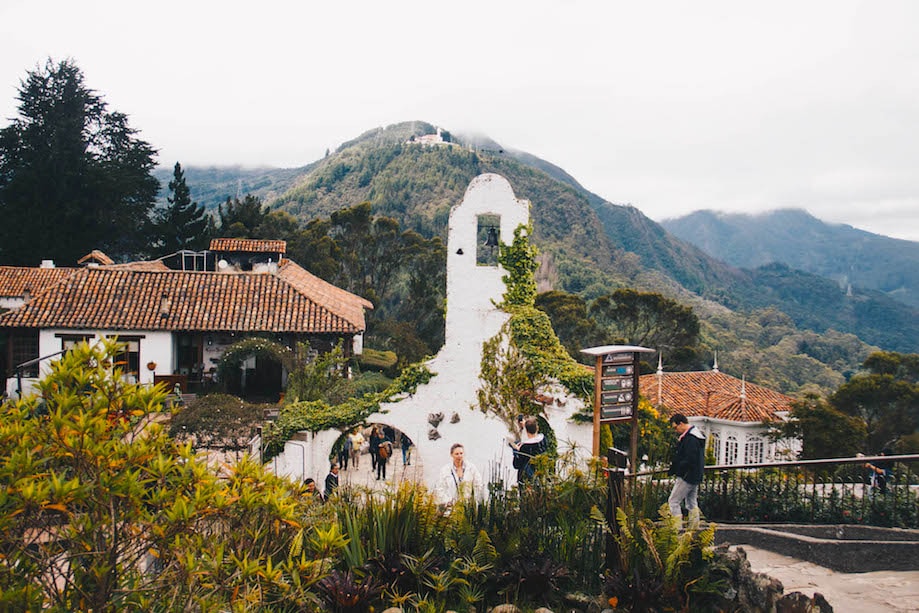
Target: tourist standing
<point>357,442</point>
<point>376,437</point>
<point>532,444</point>
<point>331,480</point>
<point>309,488</point>
<point>384,452</point>
<point>406,444</point>
<point>344,451</point>
<point>459,479</point>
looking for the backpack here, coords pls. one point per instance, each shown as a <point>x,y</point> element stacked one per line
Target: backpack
<point>385,450</point>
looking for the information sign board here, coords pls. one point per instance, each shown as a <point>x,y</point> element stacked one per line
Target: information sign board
<point>616,387</point>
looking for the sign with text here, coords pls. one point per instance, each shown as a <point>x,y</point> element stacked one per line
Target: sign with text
<point>616,388</point>
<point>616,384</point>
<point>616,373</point>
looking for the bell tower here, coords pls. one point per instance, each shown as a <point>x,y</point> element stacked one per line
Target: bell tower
<point>488,215</point>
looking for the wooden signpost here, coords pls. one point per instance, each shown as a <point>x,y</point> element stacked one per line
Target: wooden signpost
<point>616,390</point>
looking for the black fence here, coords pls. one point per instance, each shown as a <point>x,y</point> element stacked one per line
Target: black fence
<point>832,491</point>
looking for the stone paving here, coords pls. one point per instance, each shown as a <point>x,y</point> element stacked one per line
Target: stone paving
<point>873,592</point>
<point>395,472</point>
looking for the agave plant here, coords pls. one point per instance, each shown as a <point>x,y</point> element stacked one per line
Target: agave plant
<point>342,592</point>
<point>534,577</point>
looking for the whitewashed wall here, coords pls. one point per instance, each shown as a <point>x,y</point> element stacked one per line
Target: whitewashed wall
<point>744,433</point>
<point>154,347</point>
<point>472,318</point>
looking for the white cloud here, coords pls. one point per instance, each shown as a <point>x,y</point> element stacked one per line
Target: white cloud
<point>671,106</point>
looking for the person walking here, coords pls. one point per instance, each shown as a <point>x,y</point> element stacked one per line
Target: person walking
<point>532,444</point>
<point>688,466</point>
<point>357,442</point>
<point>376,437</point>
<point>459,479</point>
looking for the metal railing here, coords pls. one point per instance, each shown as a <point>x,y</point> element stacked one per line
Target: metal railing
<point>828,491</point>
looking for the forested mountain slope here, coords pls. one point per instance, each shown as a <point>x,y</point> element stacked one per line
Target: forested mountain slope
<point>758,319</point>
<point>799,240</point>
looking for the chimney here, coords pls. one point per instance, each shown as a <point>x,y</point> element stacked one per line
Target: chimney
<point>165,305</point>
<point>47,264</point>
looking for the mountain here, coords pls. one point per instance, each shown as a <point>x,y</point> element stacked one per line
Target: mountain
<point>797,239</point>
<point>780,326</point>
<point>212,185</point>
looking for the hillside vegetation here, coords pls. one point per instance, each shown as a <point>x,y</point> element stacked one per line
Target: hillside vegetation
<point>777,325</point>
<point>797,239</point>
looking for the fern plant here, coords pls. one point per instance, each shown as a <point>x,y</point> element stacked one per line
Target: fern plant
<point>662,567</point>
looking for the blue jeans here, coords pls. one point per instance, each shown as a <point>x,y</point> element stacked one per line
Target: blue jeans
<point>683,491</point>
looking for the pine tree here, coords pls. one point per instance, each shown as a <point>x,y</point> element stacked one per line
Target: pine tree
<point>182,224</point>
<point>73,175</point>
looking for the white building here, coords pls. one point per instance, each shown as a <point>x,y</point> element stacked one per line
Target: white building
<point>175,321</point>
<point>732,412</point>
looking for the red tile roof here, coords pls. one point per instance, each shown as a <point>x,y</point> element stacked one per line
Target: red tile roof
<point>125,298</point>
<point>248,245</point>
<point>714,394</point>
<point>14,280</point>
<point>148,265</point>
<point>96,256</point>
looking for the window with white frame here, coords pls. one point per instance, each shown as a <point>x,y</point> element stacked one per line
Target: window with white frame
<point>730,450</point>
<point>69,341</point>
<point>715,443</point>
<point>753,450</point>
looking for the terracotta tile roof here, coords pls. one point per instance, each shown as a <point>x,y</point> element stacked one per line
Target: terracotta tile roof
<point>96,256</point>
<point>248,245</point>
<point>148,265</point>
<point>123,298</point>
<point>714,394</point>
<point>16,279</point>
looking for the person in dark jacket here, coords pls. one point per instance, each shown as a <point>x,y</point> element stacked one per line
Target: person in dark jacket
<point>688,466</point>
<point>331,480</point>
<point>533,444</point>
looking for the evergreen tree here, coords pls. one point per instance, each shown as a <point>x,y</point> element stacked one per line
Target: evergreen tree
<point>885,397</point>
<point>242,218</point>
<point>650,320</point>
<point>73,175</point>
<point>183,224</point>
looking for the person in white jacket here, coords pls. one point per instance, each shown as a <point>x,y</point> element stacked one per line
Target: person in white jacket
<point>459,479</point>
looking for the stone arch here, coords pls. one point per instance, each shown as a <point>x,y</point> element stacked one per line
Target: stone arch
<point>269,357</point>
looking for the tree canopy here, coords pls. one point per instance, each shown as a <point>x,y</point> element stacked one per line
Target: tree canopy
<point>885,397</point>
<point>824,432</point>
<point>74,176</point>
<point>625,316</point>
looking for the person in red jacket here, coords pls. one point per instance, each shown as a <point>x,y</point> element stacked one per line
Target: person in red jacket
<point>688,466</point>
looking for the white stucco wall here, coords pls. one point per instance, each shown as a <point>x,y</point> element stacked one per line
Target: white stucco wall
<point>472,318</point>
<point>154,347</point>
<point>743,433</point>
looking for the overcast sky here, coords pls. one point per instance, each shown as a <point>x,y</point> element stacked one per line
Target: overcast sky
<point>672,106</point>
